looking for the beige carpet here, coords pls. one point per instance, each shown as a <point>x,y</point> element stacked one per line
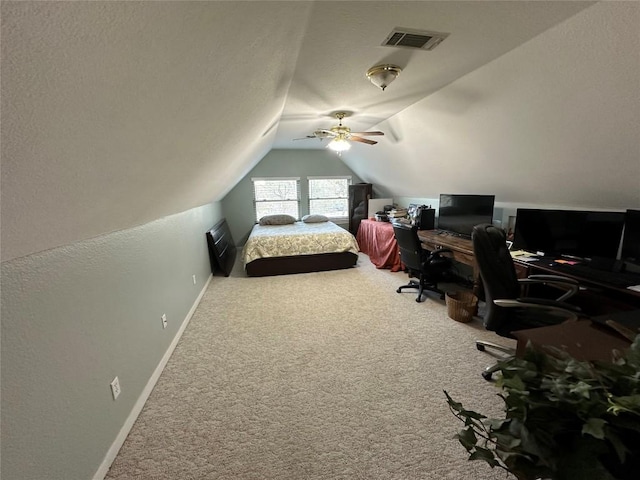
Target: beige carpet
<point>327,375</point>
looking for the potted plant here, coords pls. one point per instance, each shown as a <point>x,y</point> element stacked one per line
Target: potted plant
<point>564,419</point>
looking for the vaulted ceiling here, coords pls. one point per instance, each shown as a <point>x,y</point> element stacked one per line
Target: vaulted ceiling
<point>342,40</point>
<point>119,113</point>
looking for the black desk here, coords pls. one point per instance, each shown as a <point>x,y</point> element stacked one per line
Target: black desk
<point>596,297</point>
<point>582,339</point>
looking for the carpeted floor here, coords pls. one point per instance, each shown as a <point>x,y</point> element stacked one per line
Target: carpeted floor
<point>314,376</point>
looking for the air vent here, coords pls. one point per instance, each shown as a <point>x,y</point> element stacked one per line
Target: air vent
<point>408,38</point>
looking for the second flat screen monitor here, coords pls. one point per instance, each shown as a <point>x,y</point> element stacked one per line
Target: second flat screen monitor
<point>583,234</point>
<point>459,213</point>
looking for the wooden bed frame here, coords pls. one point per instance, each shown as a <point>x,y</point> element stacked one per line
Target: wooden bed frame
<point>321,262</point>
<point>222,255</point>
<point>222,250</point>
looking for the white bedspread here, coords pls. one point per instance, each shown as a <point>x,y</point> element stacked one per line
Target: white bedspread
<point>297,239</point>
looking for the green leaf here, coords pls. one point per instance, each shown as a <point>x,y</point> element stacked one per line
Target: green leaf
<point>633,354</point>
<point>457,406</point>
<point>468,438</point>
<point>594,427</point>
<point>514,384</point>
<point>496,424</point>
<point>506,441</point>
<point>529,443</point>
<point>486,455</point>
<point>472,414</point>
<point>629,403</point>
<point>582,389</point>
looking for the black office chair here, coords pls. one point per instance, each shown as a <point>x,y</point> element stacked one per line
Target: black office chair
<point>428,266</point>
<point>506,311</point>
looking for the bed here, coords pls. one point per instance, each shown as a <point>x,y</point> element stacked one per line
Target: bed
<point>298,247</point>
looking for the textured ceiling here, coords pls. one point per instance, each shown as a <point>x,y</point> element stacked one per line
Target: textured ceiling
<point>119,113</point>
<point>344,39</point>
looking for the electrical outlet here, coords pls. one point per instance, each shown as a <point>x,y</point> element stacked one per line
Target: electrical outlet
<point>164,320</point>
<point>115,388</point>
<point>194,279</point>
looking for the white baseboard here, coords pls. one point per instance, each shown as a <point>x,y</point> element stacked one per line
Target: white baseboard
<point>142,399</point>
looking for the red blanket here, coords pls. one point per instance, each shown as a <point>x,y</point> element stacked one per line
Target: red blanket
<point>376,239</point>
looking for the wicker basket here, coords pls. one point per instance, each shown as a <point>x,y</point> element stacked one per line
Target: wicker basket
<point>462,306</point>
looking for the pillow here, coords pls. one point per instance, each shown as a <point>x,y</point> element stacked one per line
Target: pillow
<point>281,219</point>
<point>314,219</point>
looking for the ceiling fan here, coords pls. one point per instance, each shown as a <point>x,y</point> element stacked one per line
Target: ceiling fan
<point>341,135</point>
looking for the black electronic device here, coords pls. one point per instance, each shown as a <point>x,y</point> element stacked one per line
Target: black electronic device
<point>577,233</point>
<point>459,213</point>
<point>631,238</point>
<point>426,218</point>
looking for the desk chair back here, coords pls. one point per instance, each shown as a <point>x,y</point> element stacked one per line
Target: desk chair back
<point>411,252</point>
<point>497,272</point>
<point>416,258</point>
<point>428,267</point>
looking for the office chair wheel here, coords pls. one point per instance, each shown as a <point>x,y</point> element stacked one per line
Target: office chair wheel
<point>419,299</point>
<point>480,347</point>
<point>398,290</point>
<point>487,376</point>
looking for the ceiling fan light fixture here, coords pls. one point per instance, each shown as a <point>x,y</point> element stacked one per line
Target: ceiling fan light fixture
<point>382,75</point>
<point>339,144</point>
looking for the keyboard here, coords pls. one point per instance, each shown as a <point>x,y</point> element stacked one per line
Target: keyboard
<point>617,279</point>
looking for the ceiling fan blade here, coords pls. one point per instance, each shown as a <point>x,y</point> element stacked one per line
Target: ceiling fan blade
<point>367,133</point>
<point>306,138</point>
<point>325,133</point>
<point>362,140</point>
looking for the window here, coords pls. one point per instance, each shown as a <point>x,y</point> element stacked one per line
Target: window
<point>329,196</point>
<point>276,195</point>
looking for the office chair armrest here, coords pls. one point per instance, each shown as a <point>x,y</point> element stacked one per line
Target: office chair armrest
<point>550,303</point>
<point>568,314</point>
<point>569,284</point>
<point>438,251</point>
<point>555,278</point>
<point>429,255</point>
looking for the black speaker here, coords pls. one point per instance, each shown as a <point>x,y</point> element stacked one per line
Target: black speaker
<point>426,219</point>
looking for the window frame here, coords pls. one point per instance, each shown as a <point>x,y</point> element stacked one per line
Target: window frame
<point>274,179</point>
<point>336,219</point>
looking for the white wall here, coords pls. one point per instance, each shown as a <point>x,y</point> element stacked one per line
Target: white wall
<point>115,114</point>
<point>555,122</point>
<point>76,316</point>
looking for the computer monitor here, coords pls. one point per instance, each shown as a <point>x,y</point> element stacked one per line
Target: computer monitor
<point>583,234</point>
<point>459,213</point>
<point>631,239</point>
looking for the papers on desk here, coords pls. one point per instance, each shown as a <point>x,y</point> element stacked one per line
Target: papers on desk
<point>635,288</point>
<point>524,256</point>
<point>526,259</point>
<point>567,262</point>
<point>522,253</point>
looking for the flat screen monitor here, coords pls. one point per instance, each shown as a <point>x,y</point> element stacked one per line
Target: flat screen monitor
<point>459,213</point>
<point>631,239</point>
<point>576,233</point>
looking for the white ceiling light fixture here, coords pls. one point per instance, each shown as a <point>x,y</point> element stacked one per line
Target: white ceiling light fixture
<point>339,144</point>
<point>382,75</point>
